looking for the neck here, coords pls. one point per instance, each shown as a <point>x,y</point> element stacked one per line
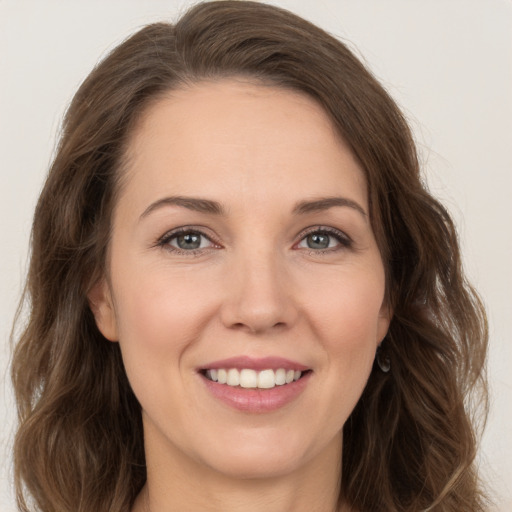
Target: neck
<point>177,482</point>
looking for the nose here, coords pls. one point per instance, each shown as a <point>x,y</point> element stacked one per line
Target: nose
<point>259,294</point>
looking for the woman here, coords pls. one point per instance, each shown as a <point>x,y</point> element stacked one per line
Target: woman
<point>241,294</point>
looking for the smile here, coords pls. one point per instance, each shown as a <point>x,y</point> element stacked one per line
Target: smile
<point>255,385</point>
<point>249,378</point>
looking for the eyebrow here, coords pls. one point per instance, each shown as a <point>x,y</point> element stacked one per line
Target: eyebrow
<point>324,203</point>
<point>191,203</point>
<point>215,208</point>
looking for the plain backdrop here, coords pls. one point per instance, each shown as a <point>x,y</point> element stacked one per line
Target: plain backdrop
<point>448,63</point>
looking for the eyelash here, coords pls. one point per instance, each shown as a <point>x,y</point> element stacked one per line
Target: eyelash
<point>165,240</point>
<point>345,242</point>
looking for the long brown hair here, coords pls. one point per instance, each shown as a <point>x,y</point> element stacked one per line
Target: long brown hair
<point>410,443</point>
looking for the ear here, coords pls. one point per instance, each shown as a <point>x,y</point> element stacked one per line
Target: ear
<point>102,307</point>
<point>385,315</point>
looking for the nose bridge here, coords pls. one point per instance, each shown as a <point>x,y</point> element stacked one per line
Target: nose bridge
<point>259,292</point>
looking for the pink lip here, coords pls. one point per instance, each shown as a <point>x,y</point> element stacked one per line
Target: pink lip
<point>257,400</point>
<point>258,364</point>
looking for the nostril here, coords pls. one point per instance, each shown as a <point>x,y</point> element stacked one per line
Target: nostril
<point>255,327</point>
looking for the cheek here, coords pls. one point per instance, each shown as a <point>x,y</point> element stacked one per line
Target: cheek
<point>348,320</point>
<point>159,316</point>
<point>350,345</point>
<point>348,309</point>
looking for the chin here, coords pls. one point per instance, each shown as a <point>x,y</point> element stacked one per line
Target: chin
<point>265,454</point>
<point>248,466</point>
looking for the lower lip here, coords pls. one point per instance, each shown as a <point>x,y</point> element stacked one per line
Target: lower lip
<point>257,400</point>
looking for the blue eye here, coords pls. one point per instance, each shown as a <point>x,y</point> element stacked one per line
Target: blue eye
<point>323,239</point>
<point>318,241</point>
<point>185,241</point>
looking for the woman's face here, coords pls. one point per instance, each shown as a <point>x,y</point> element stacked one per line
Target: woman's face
<point>241,244</point>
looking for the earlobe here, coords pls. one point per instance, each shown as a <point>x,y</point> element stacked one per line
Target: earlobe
<point>102,307</point>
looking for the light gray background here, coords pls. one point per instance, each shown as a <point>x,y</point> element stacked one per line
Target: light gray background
<point>447,62</point>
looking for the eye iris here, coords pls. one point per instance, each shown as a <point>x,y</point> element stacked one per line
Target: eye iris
<point>318,241</point>
<point>189,241</point>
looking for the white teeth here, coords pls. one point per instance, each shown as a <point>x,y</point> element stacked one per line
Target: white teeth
<point>222,376</point>
<point>266,379</point>
<point>247,378</point>
<point>233,377</point>
<point>280,377</point>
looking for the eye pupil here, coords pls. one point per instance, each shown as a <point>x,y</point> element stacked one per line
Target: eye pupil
<point>189,241</point>
<point>318,241</point>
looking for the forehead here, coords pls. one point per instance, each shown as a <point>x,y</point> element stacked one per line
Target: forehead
<point>237,137</point>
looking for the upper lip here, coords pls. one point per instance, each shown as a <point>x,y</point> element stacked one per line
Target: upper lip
<point>255,363</point>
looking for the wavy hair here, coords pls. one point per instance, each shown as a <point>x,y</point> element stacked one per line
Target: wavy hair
<point>410,443</point>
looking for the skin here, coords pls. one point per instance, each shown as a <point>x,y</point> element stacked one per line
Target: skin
<point>254,287</point>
